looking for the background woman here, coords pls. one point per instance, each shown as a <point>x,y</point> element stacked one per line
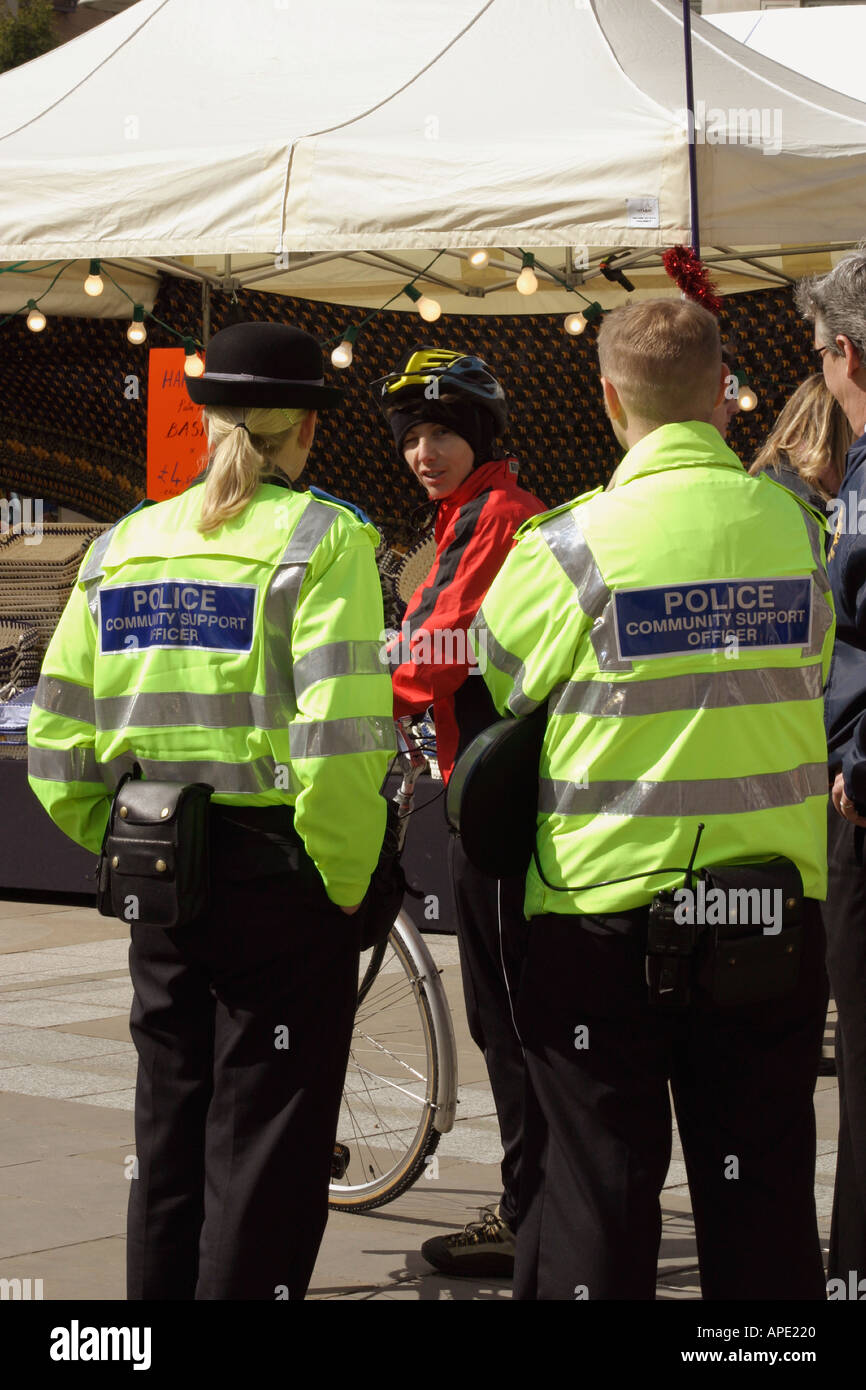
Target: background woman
<point>807,445</point>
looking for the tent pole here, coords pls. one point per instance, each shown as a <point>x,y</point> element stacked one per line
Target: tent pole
<point>205,313</point>
<point>690,103</point>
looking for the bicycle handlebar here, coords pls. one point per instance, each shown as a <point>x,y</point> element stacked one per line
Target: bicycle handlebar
<point>412,763</point>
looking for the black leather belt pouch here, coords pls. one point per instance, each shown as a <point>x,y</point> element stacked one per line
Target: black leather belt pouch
<point>155,867</point>
<point>753,954</point>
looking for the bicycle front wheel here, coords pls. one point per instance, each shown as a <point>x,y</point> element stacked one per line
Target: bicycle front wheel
<point>386,1128</point>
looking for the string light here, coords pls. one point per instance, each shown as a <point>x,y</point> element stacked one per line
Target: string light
<point>94,284</point>
<point>192,363</point>
<point>428,308</point>
<point>527,280</point>
<point>342,355</point>
<point>479,258</point>
<point>136,332</point>
<point>577,322</point>
<point>36,320</point>
<point>747,398</point>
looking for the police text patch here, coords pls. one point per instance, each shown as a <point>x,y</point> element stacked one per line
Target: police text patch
<point>177,613</point>
<point>676,619</point>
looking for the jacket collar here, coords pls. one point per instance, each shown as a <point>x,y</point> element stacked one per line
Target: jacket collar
<point>689,444</point>
<point>855,456</point>
<point>500,472</point>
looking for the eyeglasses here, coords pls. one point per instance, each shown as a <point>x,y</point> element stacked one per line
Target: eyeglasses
<point>819,352</point>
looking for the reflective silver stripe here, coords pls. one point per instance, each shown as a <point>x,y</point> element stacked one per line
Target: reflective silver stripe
<point>262,775</point>
<point>703,797</point>
<point>570,548</point>
<point>93,571</point>
<point>816,544</point>
<point>821,616</point>
<point>176,709</point>
<point>709,690</point>
<point>65,698</point>
<point>330,737</point>
<point>63,765</point>
<point>518,701</point>
<point>338,659</point>
<point>281,600</point>
<point>313,526</point>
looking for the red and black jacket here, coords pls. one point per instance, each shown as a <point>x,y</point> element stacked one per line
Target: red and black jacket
<point>474,531</point>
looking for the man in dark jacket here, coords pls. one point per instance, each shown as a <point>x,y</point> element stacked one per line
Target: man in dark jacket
<point>836,305</point>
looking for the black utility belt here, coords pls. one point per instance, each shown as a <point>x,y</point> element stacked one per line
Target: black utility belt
<point>732,937</point>
<point>155,863</point>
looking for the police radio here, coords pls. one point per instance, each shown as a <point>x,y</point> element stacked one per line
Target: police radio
<point>670,946</point>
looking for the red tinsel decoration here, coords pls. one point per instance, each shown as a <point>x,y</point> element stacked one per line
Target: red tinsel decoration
<point>689,272</point>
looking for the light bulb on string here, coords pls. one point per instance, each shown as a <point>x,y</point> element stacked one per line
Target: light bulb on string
<point>479,258</point>
<point>527,280</point>
<point>747,397</point>
<point>36,320</point>
<point>576,323</point>
<point>342,355</point>
<point>192,363</point>
<point>94,285</point>
<point>428,308</point>
<point>136,332</point>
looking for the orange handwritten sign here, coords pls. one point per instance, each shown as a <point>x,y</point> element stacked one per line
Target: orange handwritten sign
<point>176,441</point>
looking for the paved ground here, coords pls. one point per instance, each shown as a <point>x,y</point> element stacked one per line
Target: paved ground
<point>67,1070</point>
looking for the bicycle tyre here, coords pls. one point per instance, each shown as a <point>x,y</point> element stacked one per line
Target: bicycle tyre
<point>389,1138</point>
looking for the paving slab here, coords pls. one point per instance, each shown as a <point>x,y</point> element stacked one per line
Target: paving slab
<point>62,1201</point>
<point>115,1027</point>
<point>19,1044</point>
<point>34,1128</point>
<point>85,1271</point>
<point>25,925</point>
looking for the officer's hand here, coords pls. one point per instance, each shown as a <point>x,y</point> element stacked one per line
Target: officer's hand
<point>349,911</point>
<point>842,803</point>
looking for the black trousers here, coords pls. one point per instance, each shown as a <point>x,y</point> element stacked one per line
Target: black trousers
<point>598,1123</point>
<point>845,923</point>
<point>242,1022</point>
<point>491,935</point>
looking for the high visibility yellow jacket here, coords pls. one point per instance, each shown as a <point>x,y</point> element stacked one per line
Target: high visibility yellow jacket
<point>680,627</point>
<point>247,658</point>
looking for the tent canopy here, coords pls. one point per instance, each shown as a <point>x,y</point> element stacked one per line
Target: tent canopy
<point>825,44</point>
<point>316,146</point>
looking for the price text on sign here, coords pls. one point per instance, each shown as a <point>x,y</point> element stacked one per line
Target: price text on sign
<point>176,441</point>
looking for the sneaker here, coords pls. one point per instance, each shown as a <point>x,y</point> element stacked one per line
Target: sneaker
<point>483,1249</point>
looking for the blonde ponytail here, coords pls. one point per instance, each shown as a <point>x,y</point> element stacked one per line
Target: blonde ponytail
<point>238,457</point>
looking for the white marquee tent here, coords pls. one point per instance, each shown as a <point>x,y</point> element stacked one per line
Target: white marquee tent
<point>331,150</point>
<point>825,44</point>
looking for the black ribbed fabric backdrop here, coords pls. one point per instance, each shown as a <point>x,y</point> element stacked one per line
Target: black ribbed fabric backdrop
<point>69,434</point>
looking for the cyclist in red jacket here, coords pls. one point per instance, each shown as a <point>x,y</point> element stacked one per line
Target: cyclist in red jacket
<point>446,411</point>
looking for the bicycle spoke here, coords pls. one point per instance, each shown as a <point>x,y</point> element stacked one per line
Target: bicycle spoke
<point>383,1001</point>
<point>395,1058</point>
<point>386,1081</point>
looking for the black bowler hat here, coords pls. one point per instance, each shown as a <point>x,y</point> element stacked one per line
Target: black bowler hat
<point>265,365</point>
